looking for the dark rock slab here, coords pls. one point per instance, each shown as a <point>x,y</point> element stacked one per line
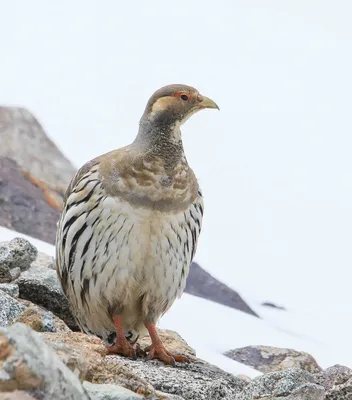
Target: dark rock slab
<point>41,286</point>
<point>23,207</point>
<point>201,284</point>
<point>24,140</point>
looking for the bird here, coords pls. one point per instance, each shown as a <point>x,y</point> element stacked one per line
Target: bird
<point>129,229</point>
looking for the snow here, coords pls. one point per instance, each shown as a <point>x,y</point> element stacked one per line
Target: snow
<point>274,164</point>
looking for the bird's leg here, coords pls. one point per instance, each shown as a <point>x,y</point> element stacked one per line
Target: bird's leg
<point>157,349</point>
<point>121,346</point>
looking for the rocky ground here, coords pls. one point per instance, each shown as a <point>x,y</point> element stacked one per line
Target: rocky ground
<point>42,356</point>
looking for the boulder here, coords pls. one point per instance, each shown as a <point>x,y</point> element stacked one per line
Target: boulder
<point>269,359</point>
<point>10,288</point>
<point>40,319</point>
<point>17,253</point>
<point>23,207</point>
<point>41,286</point>
<point>10,309</point>
<point>337,381</point>
<point>28,364</point>
<point>45,261</point>
<point>291,384</point>
<point>24,140</point>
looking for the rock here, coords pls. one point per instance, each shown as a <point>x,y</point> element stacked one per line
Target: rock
<point>23,206</point>
<point>41,286</point>
<point>10,308</point>
<point>10,288</point>
<point>173,341</point>
<point>28,364</point>
<point>292,384</point>
<point>273,305</point>
<point>40,319</point>
<point>24,141</point>
<point>5,275</point>
<point>86,355</point>
<point>110,392</point>
<point>18,252</point>
<point>43,260</point>
<point>15,273</point>
<point>269,359</point>
<point>197,380</point>
<point>201,284</point>
<point>16,395</point>
<point>337,381</point>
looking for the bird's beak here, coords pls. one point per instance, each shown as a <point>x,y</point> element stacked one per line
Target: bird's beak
<point>208,103</point>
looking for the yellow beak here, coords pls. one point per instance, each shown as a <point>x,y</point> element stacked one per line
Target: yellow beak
<point>208,103</point>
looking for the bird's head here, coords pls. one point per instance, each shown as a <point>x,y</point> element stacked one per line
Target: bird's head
<point>172,105</point>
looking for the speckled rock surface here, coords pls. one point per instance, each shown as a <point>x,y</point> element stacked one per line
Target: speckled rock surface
<point>110,392</point>
<point>18,252</point>
<point>41,286</point>
<point>10,288</point>
<point>32,366</point>
<point>337,381</point>
<point>43,260</point>
<point>40,319</point>
<point>292,384</point>
<point>173,342</point>
<point>195,381</point>
<point>198,380</point>
<point>269,359</point>
<point>10,309</point>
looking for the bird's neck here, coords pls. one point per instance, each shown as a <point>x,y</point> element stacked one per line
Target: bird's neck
<point>158,139</point>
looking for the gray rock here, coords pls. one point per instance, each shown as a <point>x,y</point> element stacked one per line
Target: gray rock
<point>28,364</point>
<point>10,309</point>
<point>18,252</point>
<point>15,273</point>
<point>292,384</point>
<point>109,392</point>
<point>41,286</point>
<point>24,140</point>
<point>201,284</point>
<point>269,359</point>
<point>5,275</point>
<point>337,381</point>
<point>11,289</point>
<point>40,319</point>
<point>195,381</point>
<point>23,205</point>
<point>43,260</point>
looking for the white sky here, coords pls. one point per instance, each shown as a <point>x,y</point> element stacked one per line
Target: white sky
<point>274,164</point>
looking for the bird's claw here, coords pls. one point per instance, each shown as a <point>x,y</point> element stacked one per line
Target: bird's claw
<point>160,353</point>
<point>123,349</point>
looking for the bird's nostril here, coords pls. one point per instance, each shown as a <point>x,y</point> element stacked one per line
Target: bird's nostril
<point>200,97</point>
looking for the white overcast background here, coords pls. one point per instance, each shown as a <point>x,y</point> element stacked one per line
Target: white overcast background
<point>274,164</point>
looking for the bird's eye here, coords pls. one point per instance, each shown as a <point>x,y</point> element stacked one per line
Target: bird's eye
<point>184,97</point>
